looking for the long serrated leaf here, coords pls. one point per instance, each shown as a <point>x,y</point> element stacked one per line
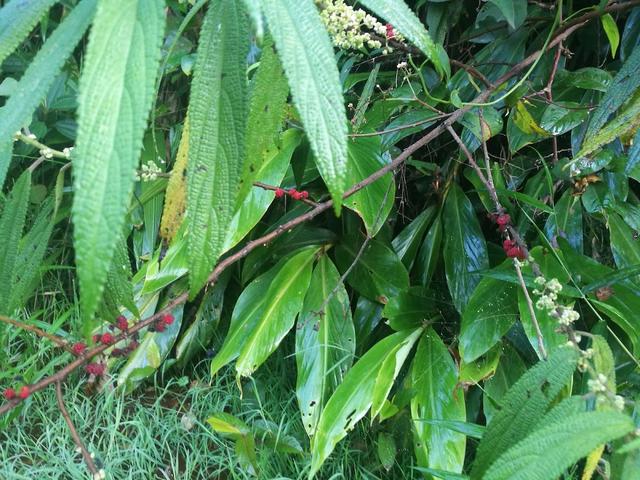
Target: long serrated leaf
<point>217,112</point>
<point>307,56</point>
<point>285,297</point>
<point>11,225</point>
<point>44,68</point>
<point>116,90</point>
<point>397,13</point>
<point>325,342</point>
<point>266,111</point>
<point>17,18</point>
<point>547,452</point>
<point>353,397</point>
<point>434,376</point>
<point>523,406</point>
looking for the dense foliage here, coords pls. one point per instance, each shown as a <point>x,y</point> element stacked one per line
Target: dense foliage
<point>425,213</point>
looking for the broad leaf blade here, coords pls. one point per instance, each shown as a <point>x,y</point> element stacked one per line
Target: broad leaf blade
<point>17,18</point>
<point>325,342</point>
<point>116,90</point>
<point>307,56</point>
<point>217,115</point>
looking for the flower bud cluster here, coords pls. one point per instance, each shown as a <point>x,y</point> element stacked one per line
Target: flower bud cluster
<point>548,300</point>
<point>148,172</point>
<point>353,28</point>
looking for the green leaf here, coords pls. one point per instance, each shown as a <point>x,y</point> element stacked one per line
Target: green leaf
<point>325,342</point>
<point>284,300</point>
<point>378,275</point>
<point>472,373</point>
<point>11,226</point>
<point>353,397</point>
<point>490,126</point>
<point>387,450</point>
<point>603,361</point>
<point>624,246</point>
<point>118,287</point>
<point>561,117</point>
<point>624,84</point>
<point>566,221</point>
<point>434,376</point>
<point>469,429</point>
<point>217,116</point>
<point>116,91</point>
<point>488,316</point>
<point>514,11</point>
<point>374,202</point>
<point>442,474</point>
<point>429,253</point>
<point>465,249</point>
<point>307,56</point>
<point>227,425</point>
<point>365,98</point>
<point>411,309</point>
<point>41,72</point>
<point>547,452</point>
<point>258,200</point>
<point>510,369</point>
<point>17,18</point>
<point>266,111</point>
<point>523,406</point>
<point>611,29</point>
<point>397,13</point>
<point>407,242</point>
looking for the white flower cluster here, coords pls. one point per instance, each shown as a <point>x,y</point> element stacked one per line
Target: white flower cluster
<point>598,386</point>
<point>351,28</point>
<point>46,152</point>
<point>548,293</point>
<point>148,172</point>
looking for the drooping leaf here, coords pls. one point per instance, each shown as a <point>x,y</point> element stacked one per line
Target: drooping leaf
<point>408,241</point>
<point>434,376</point>
<point>325,342</point>
<point>429,253</point>
<point>613,34</point>
<point>116,90</point>
<point>566,221</point>
<point>523,406</point>
<point>217,116</point>
<point>398,14</point>
<point>514,11</point>
<point>624,246</point>
<point>353,397</point>
<point>17,18</point>
<point>465,249</point>
<point>561,117</point>
<point>175,198</point>
<point>42,71</point>
<point>307,57</point>
<point>547,452</point>
<point>284,300</point>
<point>11,226</point>
<point>374,202</point>
<point>266,110</point>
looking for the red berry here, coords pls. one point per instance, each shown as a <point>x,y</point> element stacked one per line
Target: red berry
<point>508,244</point>
<point>160,327</point>
<point>121,323</point>
<point>78,348</point>
<point>297,195</point>
<point>390,32</point>
<point>24,392</point>
<point>279,192</point>
<point>96,338</point>
<point>516,252</point>
<point>304,194</point>
<point>96,369</point>
<point>167,319</point>
<point>9,394</point>
<point>133,345</point>
<point>106,339</point>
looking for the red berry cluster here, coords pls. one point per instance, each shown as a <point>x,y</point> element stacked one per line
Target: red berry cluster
<point>292,192</point>
<point>503,220</point>
<point>390,33</point>
<point>513,250</point>
<point>11,394</point>
<point>162,323</point>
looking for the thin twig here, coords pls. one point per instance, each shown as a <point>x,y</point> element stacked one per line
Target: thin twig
<point>74,432</point>
<point>59,341</point>
<point>532,312</point>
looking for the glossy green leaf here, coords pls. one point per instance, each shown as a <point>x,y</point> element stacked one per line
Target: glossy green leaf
<point>397,13</point>
<point>307,56</point>
<point>624,243</point>
<point>472,373</point>
<point>387,450</point>
<point>17,19</point>
<point>561,117</point>
<point>566,221</point>
<point>284,300</point>
<point>434,376</point>
<point>378,275</point>
<point>611,29</point>
<point>408,241</point>
<point>354,396</point>
<point>547,452</point>
<point>514,11</point>
<point>523,406</point>
<point>116,91</point>
<point>465,249</point>
<point>490,126</point>
<point>325,342</point>
<point>217,116</point>
<point>42,71</point>
<point>228,425</point>
<point>258,200</point>
<point>429,253</point>
<point>266,111</point>
<point>591,78</point>
<point>374,202</point>
<point>510,369</point>
<point>411,309</point>
<point>11,226</point>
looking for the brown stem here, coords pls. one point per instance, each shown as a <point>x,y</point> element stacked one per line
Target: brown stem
<point>74,432</point>
<point>59,341</point>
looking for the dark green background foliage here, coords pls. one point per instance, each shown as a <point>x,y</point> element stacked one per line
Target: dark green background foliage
<point>359,235</point>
